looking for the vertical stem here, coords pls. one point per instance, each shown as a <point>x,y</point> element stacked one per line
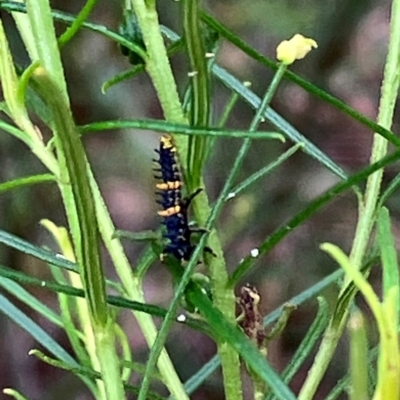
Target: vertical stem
<point>367,206</point>
<point>358,357</point>
<point>78,197</point>
<point>158,67</point>
<point>134,292</point>
<point>108,359</point>
<point>157,63</point>
<point>76,192</point>
<point>200,84</point>
<point>223,297</point>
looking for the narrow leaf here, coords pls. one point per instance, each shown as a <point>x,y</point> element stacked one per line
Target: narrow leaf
<point>42,254</point>
<point>34,330</point>
<point>31,301</point>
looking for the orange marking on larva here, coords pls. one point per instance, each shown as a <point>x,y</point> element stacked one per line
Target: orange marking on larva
<point>166,141</point>
<point>169,185</point>
<point>169,211</point>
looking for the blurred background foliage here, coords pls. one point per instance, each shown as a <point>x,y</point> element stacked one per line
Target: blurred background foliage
<point>352,38</point>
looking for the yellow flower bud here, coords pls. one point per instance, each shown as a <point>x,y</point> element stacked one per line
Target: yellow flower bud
<point>294,49</point>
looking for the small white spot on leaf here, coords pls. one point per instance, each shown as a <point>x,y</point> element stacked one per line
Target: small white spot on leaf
<point>255,253</point>
<point>181,318</point>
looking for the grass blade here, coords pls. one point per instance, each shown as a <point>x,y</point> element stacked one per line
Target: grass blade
<point>34,330</point>
<point>25,181</point>
<point>21,294</point>
<point>23,246</point>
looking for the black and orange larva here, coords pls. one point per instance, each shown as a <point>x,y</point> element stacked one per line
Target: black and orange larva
<point>174,207</point>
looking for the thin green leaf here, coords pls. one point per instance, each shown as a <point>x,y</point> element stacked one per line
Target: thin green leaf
<point>42,254</point>
<point>167,127</point>
<point>309,210</point>
<point>14,393</point>
<point>346,296</point>
<point>393,186</point>
<point>121,77</point>
<point>126,354</point>
<point>340,387</point>
<point>21,277</point>
<point>196,380</point>
<point>10,84</point>
<point>263,171</point>
<point>78,22</point>
<point>147,259</point>
<point>69,309</point>
<point>34,330</point>
<point>116,301</point>
<point>16,132</point>
<point>274,118</point>
<point>26,181</point>
<point>391,280</point>
<point>31,301</point>
<point>228,108</point>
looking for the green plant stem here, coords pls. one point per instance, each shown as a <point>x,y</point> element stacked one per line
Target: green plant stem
<point>158,67</point>
<point>307,344</point>
<point>71,151</point>
<point>134,291</point>
<point>76,192</point>
<point>157,63</point>
<point>367,206</point>
<point>108,360</point>
<point>26,181</point>
<point>77,24</point>
<point>168,321</point>
<point>233,99</point>
<point>252,179</point>
<point>217,271</point>
<point>358,357</point>
<point>14,393</point>
<point>200,85</point>
<point>83,313</point>
<point>166,127</point>
<point>46,47</point>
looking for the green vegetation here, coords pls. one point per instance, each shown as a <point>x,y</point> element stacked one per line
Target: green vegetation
<point>39,111</point>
